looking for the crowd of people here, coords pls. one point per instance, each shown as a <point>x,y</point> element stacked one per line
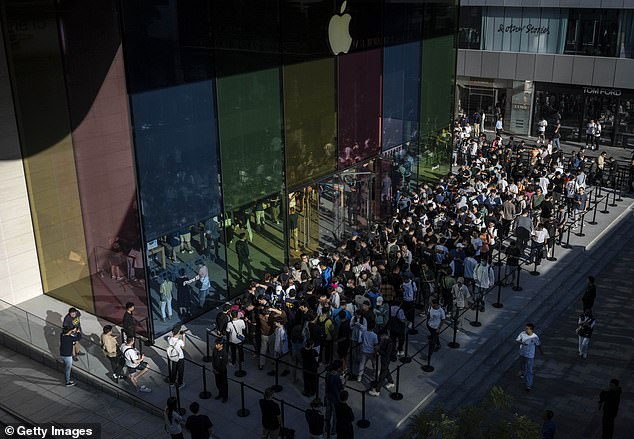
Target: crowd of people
<point>336,310</point>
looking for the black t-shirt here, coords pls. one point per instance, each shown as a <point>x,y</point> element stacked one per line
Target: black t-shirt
<point>198,426</point>
<point>128,325</point>
<point>270,412</point>
<point>315,421</point>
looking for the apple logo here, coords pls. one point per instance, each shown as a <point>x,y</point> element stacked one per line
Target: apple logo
<point>339,31</point>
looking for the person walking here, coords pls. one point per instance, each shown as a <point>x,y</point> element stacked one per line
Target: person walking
<point>590,294</point>
<point>219,361</point>
<point>584,331</point>
<point>199,426</point>
<point>176,356</point>
<point>271,416</point>
<point>242,250</point>
<point>109,347</point>
<point>386,348</point>
<point>315,420</point>
<point>72,320</point>
<point>173,420</point>
<point>528,341</point>
<point>609,401</point>
<point>66,351</point>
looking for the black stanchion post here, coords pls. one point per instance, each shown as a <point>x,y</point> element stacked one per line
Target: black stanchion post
<point>454,344</point>
<point>240,372</point>
<point>476,323</point>
<point>282,412</point>
<point>243,411</point>
<point>620,183</point>
<point>205,394</point>
<point>376,369</point>
<point>428,367</point>
<point>517,286</point>
<point>180,409</point>
<point>396,395</point>
<point>567,245</point>
<point>363,422</point>
<point>583,215</point>
<point>277,387</point>
<point>406,358</point>
<point>207,357</point>
<point>499,304</point>
<point>552,258</point>
<point>413,330</point>
<point>613,204</point>
<point>594,215</point>
<point>534,272</point>
<point>499,262</point>
<point>605,209</point>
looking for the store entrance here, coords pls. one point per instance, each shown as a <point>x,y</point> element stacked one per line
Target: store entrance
<point>323,214</point>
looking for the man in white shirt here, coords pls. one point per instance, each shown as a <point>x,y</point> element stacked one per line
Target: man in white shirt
<point>135,364</point>
<point>461,296</point>
<point>235,331</point>
<point>528,341</point>
<point>541,129</point>
<point>435,318</point>
<point>539,237</point>
<point>176,356</point>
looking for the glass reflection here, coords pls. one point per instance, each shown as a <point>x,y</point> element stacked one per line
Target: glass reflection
<point>186,272</point>
<point>255,241</point>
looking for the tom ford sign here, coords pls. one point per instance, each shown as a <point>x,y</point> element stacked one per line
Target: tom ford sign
<point>601,91</point>
<point>527,28</point>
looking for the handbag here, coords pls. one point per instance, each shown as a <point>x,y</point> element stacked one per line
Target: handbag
<point>239,336</point>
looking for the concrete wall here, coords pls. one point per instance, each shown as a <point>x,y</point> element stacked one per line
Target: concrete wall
<point>19,270</point>
<point>562,69</point>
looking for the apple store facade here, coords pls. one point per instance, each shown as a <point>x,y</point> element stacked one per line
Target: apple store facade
<point>161,136</point>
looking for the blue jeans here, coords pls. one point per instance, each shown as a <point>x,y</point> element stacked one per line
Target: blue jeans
<point>68,365</point>
<point>526,366</point>
<point>557,144</point>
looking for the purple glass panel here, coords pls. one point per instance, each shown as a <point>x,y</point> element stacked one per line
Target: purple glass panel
<point>359,108</point>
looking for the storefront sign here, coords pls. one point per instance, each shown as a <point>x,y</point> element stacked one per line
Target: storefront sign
<point>527,28</point>
<point>601,91</point>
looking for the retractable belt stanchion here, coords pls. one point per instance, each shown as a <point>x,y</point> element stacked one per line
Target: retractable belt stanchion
<point>207,357</point>
<point>363,422</point>
<point>205,394</point>
<point>517,286</point>
<point>243,411</point>
<point>428,367</point>
<point>396,395</point>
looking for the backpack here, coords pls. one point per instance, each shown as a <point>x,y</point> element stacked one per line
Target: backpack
<point>320,330</point>
<point>172,354</point>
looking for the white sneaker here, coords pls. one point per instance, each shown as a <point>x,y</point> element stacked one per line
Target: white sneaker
<point>373,393</point>
<point>359,378</point>
<point>389,385</point>
<point>144,389</point>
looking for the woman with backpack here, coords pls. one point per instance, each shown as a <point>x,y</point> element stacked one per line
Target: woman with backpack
<point>584,331</point>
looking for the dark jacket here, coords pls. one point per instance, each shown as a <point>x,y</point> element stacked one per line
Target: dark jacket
<point>66,343</point>
<point>128,325</point>
<point>219,360</point>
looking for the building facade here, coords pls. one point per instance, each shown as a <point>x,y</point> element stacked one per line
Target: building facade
<point>571,60</point>
<point>151,141</point>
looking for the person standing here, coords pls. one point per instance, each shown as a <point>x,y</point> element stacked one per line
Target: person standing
<point>334,387</point>
<point>590,129</point>
<point>549,428</point>
<point>460,294</point>
<point>129,326</point>
<point>541,128</point>
<point>609,401</point>
<point>66,351</point>
<point>271,416</point>
<point>199,426</point>
<point>369,346</point>
<point>219,361</point>
<point>435,318</point>
<point>166,294</point>
<point>345,417</point>
<point>557,136</point>
<point>310,366</point>
<point>72,320</point>
<point>173,420</point>
<point>242,250</point>
<point>235,329</point>
<point>499,127</point>
<point>109,346</point>
<point>176,346</point>
<point>315,420</point>
<point>386,348</point>
<point>528,341</point>
<point>584,331</point>
<point>484,278</point>
<point>590,294</point>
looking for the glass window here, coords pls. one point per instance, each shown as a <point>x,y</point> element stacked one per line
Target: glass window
<point>359,88</point>
<point>627,24</point>
<point>592,32</point>
<point>469,32</point>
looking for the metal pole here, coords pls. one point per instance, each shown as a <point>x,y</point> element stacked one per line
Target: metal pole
<point>277,387</point>
<point>180,409</point>
<point>594,215</point>
<point>476,323</point>
<point>406,358</point>
<point>428,367</point>
<point>582,221</point>
<point>207,358</point>
<point>454,344</point>
<point>205,394</point>
<point>242,412</point>
<point>240,372</point>
<point>363,423</point>
<point>517,286</point>
<point>620,180</point>
<point>396,395</point>
<point>605,209</point>
<point>535,272</point>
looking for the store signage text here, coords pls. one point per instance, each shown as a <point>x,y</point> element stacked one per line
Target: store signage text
<point>601,91</point>
<point>526,28</point>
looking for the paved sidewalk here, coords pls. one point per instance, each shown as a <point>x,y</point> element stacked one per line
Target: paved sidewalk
<point>38,394</point>
<point>569,385</point>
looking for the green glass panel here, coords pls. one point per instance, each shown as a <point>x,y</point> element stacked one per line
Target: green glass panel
<point>249,117</point>
<point>310,120</point>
